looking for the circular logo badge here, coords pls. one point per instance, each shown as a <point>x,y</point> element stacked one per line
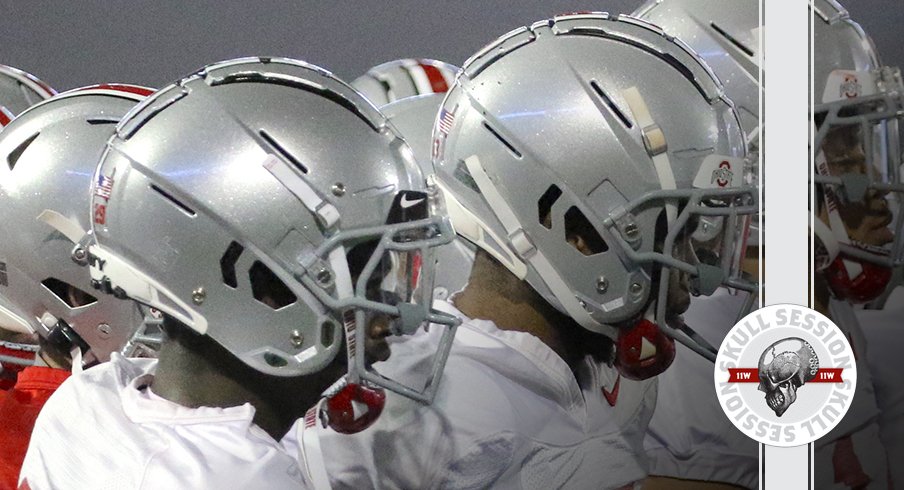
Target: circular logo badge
<point>785,375</point>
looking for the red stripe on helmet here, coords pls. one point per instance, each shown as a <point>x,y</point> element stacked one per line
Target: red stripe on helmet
<point>120,87</point>
<point>5,116</point>
<point>437,81</point>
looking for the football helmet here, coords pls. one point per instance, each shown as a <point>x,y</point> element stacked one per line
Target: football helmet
<point>561,128</point>
<point>18,91</point>
<point>727,37</point>
<point>857,105</point>
<point>50,152</point>
<point>266,204</point>
<point>413,117</point>
<point>400,79</point>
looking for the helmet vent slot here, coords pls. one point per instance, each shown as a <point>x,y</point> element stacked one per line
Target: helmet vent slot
<point>581,234</point>
<point>732,40</point>
<point>175,202</point>
<point>269,289</point>
<point>100,121</point>
<point>287,81</point>
<point>14,155</point>
<point>67,293</point>
<point>227,264</point>
<point>282,151</point>
<point>544,205</point>
<point>502,140</point>
<point>612,106</point>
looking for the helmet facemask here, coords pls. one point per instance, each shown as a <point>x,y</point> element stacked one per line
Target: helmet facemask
<point>859,198</point>
<point>380,282</point>
<point>706,242</point>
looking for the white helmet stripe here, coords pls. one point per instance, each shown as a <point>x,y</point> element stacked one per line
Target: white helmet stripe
<point>421,82</point>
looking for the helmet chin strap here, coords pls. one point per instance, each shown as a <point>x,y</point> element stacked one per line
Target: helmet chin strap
<point>655,143</point>
<point>849,278</point>
<point>836,224</point>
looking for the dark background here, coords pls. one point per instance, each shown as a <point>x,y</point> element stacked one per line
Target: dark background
<point>884,21</point>
<point>71,44</point>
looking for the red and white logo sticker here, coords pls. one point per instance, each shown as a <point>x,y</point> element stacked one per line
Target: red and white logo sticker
<point>850,86</point>
<point>723,175</point>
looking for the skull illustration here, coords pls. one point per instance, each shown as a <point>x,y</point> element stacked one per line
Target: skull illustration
<point>784,367</point>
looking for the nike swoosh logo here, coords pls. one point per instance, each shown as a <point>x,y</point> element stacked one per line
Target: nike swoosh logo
<point>407,203</point>
<point>612,396</point>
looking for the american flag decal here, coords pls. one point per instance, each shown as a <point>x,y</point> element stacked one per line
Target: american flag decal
<point>310,418</point>
<point>446,118</point>
<point>104,187</point>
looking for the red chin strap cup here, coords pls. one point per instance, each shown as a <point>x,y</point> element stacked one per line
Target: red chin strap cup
<point>867,286</point>
<point>354,408</point>
<point>643,351</point>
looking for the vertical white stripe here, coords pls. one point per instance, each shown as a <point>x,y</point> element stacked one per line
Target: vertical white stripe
<point>421,82</point>
<point>786,197</point>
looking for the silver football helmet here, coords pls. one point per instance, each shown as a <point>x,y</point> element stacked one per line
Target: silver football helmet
<point>18,91</point>
<point>726,35</point>
<point>50,152</point>
<point>413,117</point>
<point>562,126</point>
<point>266,204</point>
<point>400,79</point>
<point>857,108</point>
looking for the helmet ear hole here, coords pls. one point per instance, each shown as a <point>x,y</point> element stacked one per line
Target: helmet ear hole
<point>67,293</point>
<point>581,234</point>
<point>544,205</point>
<point>269,289</point>
<point>227,264</point>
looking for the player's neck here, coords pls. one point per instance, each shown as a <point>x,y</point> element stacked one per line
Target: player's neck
<point>495,294</point>
<point>195,377</point>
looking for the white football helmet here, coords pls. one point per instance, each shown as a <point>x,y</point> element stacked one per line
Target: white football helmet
<point>858,105</point>
<point>726,36</point>
<point>414,117</point>
<point>266,204</point>
<point>49,153</point>
<point>601,126</point>
<point>400,79</point>
<point>18,91</point>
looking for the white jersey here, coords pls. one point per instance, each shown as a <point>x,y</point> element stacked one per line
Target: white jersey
<point>690,437</point>
<point>852,454</point>
<point>105,429</point>
<point>509,414</point>
<point>884,334</point>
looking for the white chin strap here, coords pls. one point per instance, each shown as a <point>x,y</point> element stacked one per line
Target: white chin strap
<point>824,235</point>
<point>311,454</point>
<point>836,224</point>
<point>655,144</point>
<point>13,322</point>
<point>472,228</point>
<point>520,242</point>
